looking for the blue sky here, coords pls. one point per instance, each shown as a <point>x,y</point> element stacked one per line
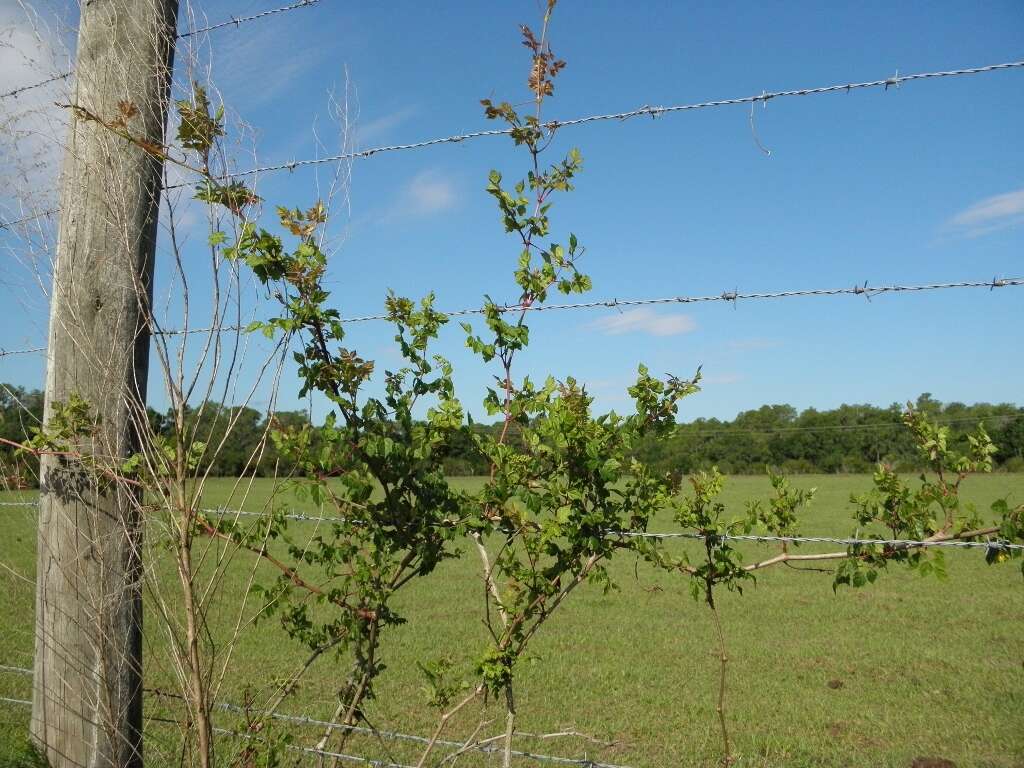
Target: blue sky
<point>919,184</point>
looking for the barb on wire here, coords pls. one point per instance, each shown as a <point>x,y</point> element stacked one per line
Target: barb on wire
<point>234,21</point>
<point>753,128</point>
<point>18,91</point>
<point>192,331</point>
<point>9,352</point>
<point>646,110</point>
<point>24,219</point>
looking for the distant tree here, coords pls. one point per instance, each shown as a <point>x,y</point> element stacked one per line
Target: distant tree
<point>20,410</point>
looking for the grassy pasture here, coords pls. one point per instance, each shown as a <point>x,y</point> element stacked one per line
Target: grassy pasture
<point>906,668</point>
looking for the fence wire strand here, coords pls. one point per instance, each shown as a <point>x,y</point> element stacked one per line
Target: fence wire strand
<point>855,542</point>
<point>553,125</point>
<point>29,351</point>
<point>25,219</point>
<point>22,89</point>
<point>391,735</point>
<point>727,296</point>
<point>865,290</point>
<point>398,736</point>
<point>644,111</point>
<point>235,21</point>
<point>988,544</point>
<point>232,22</point>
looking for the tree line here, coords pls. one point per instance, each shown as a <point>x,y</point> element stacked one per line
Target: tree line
<point>850,438</point>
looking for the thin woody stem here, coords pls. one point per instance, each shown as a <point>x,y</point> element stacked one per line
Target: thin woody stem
<point>443,721</point>
<point>787,557</point>
<point>709,595</point>
<point>727,758</point>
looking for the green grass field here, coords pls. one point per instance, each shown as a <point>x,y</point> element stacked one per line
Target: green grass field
<point>910,667</point>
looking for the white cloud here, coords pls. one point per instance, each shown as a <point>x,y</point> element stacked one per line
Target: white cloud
<point>644,320</point>
<point>990,214</point>
<point>426,194</point>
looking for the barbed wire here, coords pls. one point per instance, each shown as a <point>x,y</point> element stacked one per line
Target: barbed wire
<point>398,736</point>
<point>309,750</point>
<point>327,753</point>
<point>728,296</point>
<point>766,539</point>
<point>644,111</point>
<point>761,539</point>
<point>18,91</point>
<point>385,734</point>
<point>231,22</point>
<point>235,21</point>
<point>299,516</point>
<point>996,544</point>
<point>30,351</point>
<point>31,217</point>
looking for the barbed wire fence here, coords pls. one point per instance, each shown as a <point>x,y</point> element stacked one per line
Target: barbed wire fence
<point>27,351</point>
<point>552,125</point>
<point>305,720</point>
<point>727,296</point>
<point>231,22</point>
<point>989,543</point>
<point>644,111</point>
<point>733,297</point>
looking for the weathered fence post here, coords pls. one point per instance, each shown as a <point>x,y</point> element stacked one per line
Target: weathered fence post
<point>87,691</point>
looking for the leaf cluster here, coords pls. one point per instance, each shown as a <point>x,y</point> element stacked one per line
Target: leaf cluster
<point>934,509</point>
<point>379,466</point>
